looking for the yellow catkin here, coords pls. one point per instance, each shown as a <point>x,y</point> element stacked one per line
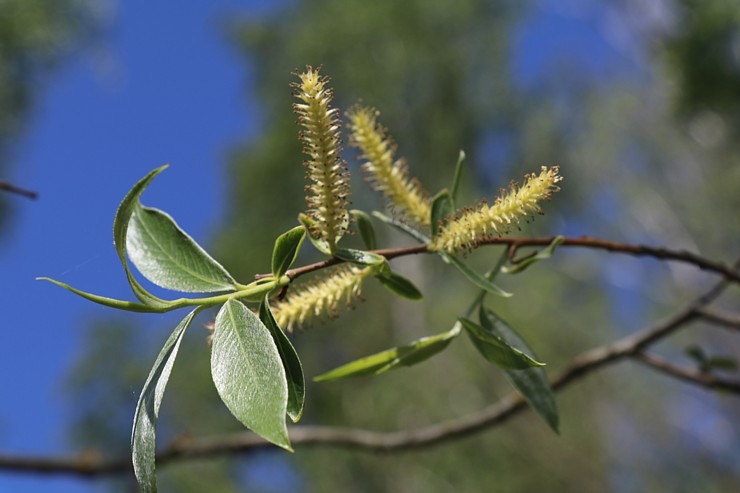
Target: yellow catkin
<point>387,174</point>
<point>320,298</point>
<point>327,175</point>
<point>472,226</point>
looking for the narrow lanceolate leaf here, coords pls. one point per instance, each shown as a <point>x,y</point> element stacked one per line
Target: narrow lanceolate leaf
<point>402,227</point>
<point>248,372</point>
<point>364,226</point>
<point>169,257</point>
<point>473,276</point>
<point>541,255</point>
<point>109,302</point>
<point>143,439</point>
<point>393,358</point>
<point>286,249</point>
<point>291,363</point>
<point>532,383</point>
<point>496,350</point>
<point>441,210</point>
<point>456,179</point>
<point>399,285</point>
<point>120,234</point>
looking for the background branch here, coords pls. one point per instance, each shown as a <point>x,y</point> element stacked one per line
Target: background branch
<point>9,187</point>
<point>630,347</point>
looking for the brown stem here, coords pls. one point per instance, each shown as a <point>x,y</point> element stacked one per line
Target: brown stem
<point>9,187</point>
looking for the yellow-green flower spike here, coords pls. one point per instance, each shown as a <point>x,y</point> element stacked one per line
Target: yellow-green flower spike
<point>471,227</point>
<point>320,298</point>
<point>328,185</point>
<point>387,174</point>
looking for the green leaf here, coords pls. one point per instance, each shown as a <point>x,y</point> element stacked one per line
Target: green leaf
<point>727,363</point>
<point>359,257</point>
<point>541,255</point>
<point>110,302</point>
<point>456,178</point>
<point>169,257</point>
<point>473,276</point>
<point>291,363</point>
<point>496,350</point>
<point>397,284</point>
<point>441,210</point>
<point>532,383</point>
<point>318,243</point>
<point>120,233</point>
<point>249,374</point>
<point>365,227</point>
<point>286,249</point>
<point>143,435</point>
<point>403,228</point>
<point>390,359</point>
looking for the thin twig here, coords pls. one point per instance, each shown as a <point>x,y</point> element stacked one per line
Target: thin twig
<point>9,187</point>
<point>703,379</point>
<point>371,441</point>
<point>719,317</point>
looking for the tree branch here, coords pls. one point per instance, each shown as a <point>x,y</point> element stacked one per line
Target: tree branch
<point>630,347</point>
<point>703,379</point>
<point>725,270</point>
<point>718,317</point>
<point>9,187</point>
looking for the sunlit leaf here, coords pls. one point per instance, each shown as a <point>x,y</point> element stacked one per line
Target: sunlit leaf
<point>143,435</point>
<point>286,249</point>
<point>291,363</point>
<point>532,383</point>
<point>359,257</point>
<point>120,233</point>
<point>390,359</point>
<point>169,257</point>
<point>248,372</point>
<point>543,254</point>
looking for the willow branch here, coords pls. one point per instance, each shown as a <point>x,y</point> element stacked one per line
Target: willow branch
<point>630,347</point>
<point>725,270</point>
<point>9,187</point>
<point>719,317</point>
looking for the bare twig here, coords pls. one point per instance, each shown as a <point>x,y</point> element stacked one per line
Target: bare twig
<point>630,347</point>
<point>9,187</point>
<point>719,317</point>
<point>703,379</point>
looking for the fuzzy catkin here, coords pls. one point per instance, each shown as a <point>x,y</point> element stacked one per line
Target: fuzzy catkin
<point>328,180</point>
<point>467,230</point>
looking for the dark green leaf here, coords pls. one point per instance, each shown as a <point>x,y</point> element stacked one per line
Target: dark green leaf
<point>541,255</point>
<point>473,276</point>
<point>359,257</point>
<point>496,350</point>
<point>722,363</point>
<point>441,210</point>
<point>403,228</point>
<point>532,383</point>
<point>390,359</point>
<point>365,227</point>
<point>169,258</point>
<point>120,233</point>
<point>399,285</point>
<point>249,374</point>
<point>456,179</point>
<point>287,246</point>
<point>143,436</point>
<point>291,363</point>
